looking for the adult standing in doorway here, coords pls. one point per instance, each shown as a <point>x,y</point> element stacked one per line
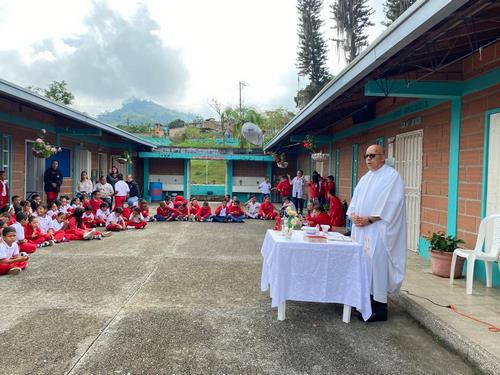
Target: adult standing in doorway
<point>112,177</point>
<point>378,213</point>
<point>298,190</point>
<point>133,195</point>
<point>52,181</point>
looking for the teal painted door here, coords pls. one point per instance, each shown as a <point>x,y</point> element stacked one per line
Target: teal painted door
<point>354,167</point>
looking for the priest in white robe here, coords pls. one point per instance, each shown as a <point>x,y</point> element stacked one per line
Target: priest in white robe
<point>378,214</point>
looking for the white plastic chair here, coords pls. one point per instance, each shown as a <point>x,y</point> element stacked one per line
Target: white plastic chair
<point>489,238</point>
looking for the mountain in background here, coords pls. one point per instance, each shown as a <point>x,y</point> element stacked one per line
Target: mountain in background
<point>136,111</point>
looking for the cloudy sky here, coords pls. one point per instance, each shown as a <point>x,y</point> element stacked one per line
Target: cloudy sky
<point>180,54</point>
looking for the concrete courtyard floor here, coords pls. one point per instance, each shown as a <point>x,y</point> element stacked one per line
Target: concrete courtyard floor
<point>184,298</point>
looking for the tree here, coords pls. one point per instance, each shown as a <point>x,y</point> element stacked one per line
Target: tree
<point>57,91</point>
<point>247,114</point>
<point>176,124</point>
<point>394,8</point>
<point>274,121</point>
<point>351,18</point>
<point>305,95</point>
<point>312,53</point>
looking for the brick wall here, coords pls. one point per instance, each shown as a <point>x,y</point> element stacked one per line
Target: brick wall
<point>166,166</point>
<point>249,168</point>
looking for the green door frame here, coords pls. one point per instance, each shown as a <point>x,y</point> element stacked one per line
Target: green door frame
<point>354,167</point>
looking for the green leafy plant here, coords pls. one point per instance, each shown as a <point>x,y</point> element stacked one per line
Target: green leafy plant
<point>125,158</point>
<point>440,241</point>
<point>42,148</point>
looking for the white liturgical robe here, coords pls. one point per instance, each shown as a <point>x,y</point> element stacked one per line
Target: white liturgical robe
<point>381,193</point>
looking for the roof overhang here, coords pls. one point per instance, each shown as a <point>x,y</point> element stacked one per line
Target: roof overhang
<point>419,18</point>
<point>17,93</point>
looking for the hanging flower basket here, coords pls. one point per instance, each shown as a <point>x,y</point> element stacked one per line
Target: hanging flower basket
<point>282,164</point>
<point>42,149</point>
<point>319,156</point>
<point>308,143</point>
<point>125,158</point>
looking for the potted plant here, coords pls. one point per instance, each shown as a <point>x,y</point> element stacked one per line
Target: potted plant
<point>442,247</point>
<point>125,158</point>
<point>280,160</point>
<point>308,144</point>
<point>42,148</point>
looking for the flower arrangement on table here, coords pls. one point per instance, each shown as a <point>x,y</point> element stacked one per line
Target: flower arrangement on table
<point>42,148</point>
<point>279,158</point>
<point>291,221</point>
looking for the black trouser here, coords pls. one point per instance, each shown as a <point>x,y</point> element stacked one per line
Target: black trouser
<point>299,204</point>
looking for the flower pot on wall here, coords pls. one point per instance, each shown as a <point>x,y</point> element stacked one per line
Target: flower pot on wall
<point>441,263</point>
<point>319,156</point>
<point>282,164</point>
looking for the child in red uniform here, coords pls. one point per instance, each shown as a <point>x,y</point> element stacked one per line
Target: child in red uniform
<point>53,210</point>
<point>284,187</point>
<point>178,200</point>
<point>24,245</point>
<point>183,212</point>
<point>57,228</point>
<point>10,261</point>
<point>221,212</point>
<point>330,185</point>
<point>337,214</point>
<point>77,228</point>
<point>126,211</point>
<point>143,205</point>
<point>266,210</point>
<point>136,219</point>
<point>27,210</point>
<point>236,214</point>
<point>230,203</point>
<point>34,235</point>
<point>88,217</point>
<point>162,212</point>
<point>309,210</point>
<point>314,187</point>
<point>96,201</point>
<point>102,214</point>
<point>320,218</point>
<point>193,208</point>
<point>172,210</point>
<point>204,213</point>
<point>4,190</point>
<point>115,221</point>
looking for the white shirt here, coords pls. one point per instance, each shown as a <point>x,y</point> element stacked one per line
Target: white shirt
<point>44,223</point>
<point>298,187</point>
<point>105,189</point>
<point>113,219</point>
<point>85,186</point>
<point>381,194</point>
<point>88,215</point>
<point>265,187</point>
<point>121,188</point>
<point>136,219</point>
<point>51,213</point>
<point>223,211</point>
<point>7,252</point>
<point>19,231</point>
<point>55,225</point>
<point>102,214</point>
<point>64,209</point>
<point>253,208</point>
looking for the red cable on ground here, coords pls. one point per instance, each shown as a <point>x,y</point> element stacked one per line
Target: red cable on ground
<point>491,327</point>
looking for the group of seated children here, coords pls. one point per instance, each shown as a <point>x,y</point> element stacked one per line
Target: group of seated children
<point>31,225</point>
<point>228,211</point>
<point>317,215</point>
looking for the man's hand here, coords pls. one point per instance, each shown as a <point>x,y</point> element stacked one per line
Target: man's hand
<point>360,221</point>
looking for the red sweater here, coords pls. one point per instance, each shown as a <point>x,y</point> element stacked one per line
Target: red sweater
<point>29,231</point>
<point>178,200</point>
<point>321,219</point>
<point>72,224</point>
<point>183,211</point>
<point>313,190</point>
<point>204,212</point>
<point>145,212</point>
<point>95,204</point>
<point>162,211</point>
<point>193,209</point>
<point>219,209</point>
<point>337,214</point>
<point>236,211</point>
<point>266,208</point>
<point>284,188</point>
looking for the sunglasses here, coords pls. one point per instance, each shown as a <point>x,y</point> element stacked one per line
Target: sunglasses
<point>370,156</point>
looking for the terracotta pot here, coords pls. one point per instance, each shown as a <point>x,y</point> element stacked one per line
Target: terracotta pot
<point>441,263</point>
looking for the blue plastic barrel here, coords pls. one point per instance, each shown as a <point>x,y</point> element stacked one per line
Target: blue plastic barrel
<point>156,191</point>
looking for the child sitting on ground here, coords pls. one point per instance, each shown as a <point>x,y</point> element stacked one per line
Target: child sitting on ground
<point>11,262</point>
<point>253,207</point>
<point>236,214</point>
<point>44,221</point>
<point>65,206</point>
<point>287,203</point>
<point>36,200</point>
<point>77,228</point>
<point>172,210</point>
<point>309,210</point>
<point>54,210</point>
<point>178,200</point>
<point>27,210</point>
<point>193,208</point>
<point>162,212</point>
<point>57,228</point>
<point>204,213</point>
<point>320,218</point>
<point>95,201</point>
<point>266,211</point>
<point>21,222</point>
<point>221,212</point>
<point>143,205</point>
<point>88,217</point>
<point>183,212</point>
<point>136,219</point>
<point>102,215</point>
<point>115,221</point>
<point>34,235</point>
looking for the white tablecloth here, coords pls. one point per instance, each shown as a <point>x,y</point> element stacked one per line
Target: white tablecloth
<point>332,272</point>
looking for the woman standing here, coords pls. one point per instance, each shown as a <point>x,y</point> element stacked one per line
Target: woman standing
<point>112,177</point>
<point>298,190</point>
<point>85,187</point>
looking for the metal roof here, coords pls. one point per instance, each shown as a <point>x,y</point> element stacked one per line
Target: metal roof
<point>16,92</point>
<point>418,19</point>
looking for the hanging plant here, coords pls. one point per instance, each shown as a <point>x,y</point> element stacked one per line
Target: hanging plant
<point>308,143</point>
<point>125,158</point>
<point>42,148</point>
<point>279,158</point>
